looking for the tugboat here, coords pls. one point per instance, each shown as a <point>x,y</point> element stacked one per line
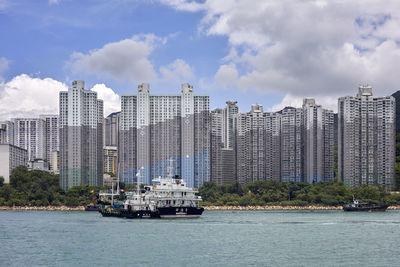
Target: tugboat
<point>357,206</point>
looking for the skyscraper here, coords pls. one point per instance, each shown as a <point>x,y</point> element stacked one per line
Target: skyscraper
<point>222,141</point>
<point>159,130</point>
<point>81,137</point>
<point>52,139</point>
<point>30,134</point>
<point>293,145</point>
<point>366,139</point>
<point>257,145</point>
<point>318,142</point>
<point>111,129</point>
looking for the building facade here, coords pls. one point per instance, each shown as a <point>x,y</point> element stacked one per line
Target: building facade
<point>111,129</point>
<point>293,145</point>
<point>52,138</point>
<point>257,146</point>
<point>81,137</point>
<point>11,157</point>
<point>7,132</point>
<point>318,137</point>
<point>30,134</point>
<point>159,130</point>
<point>110,159</point>
<point>366,139</point>
<point>222,164</point>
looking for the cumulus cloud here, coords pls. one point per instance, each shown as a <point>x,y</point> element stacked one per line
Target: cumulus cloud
<point>305,48</point>
<point>226,75</point>
<point>25,96</point>
<point>125,59</point>
<point>297,101</point>
<point>178,70</point>
<point>112,102</point>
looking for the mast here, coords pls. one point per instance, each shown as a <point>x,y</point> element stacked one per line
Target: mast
<point>118,178</point>
<point>170,169</point>
<point>112,193</point>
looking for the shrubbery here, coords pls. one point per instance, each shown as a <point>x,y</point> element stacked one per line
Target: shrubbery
<point>37,188</point>
<point>291,194</point>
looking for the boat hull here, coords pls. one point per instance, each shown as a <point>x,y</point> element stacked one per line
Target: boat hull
<point>92,208</point>
<point>180,212</point>
<point>367,208</point>
<point>139,214</point>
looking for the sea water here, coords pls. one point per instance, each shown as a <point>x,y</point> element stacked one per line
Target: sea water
<point>218,238</point>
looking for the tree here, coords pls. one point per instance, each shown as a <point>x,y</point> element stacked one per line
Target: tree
<point>1,181</point>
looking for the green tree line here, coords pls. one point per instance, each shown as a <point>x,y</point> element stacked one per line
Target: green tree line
<point>38,188</point>
<point>262,193</point>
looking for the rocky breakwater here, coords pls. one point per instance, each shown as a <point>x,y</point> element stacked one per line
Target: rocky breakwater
<point>272,208</point>
<point>283,207</point>
<point>42,208</point>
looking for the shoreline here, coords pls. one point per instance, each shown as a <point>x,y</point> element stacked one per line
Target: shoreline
<point>48,208</point>
<point>273,207</point>
<point>277,207</point>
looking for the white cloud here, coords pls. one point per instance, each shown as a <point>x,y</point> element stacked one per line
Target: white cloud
<point>303,48</point>
<point>54,2</point>
<point>178,70</point>
<point>183,5</point>
<point>226,75</point>
<point>297,101</point>
<point>125,59</point>
<point>25,96</point>
<point>112,102</point>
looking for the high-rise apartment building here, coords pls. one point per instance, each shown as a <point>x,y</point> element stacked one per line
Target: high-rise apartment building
<point>111,129</point>
<point>257,145</point>
<point>293,145</point>
<point>11,157</point>
<point>110,159</point>
<point>318,138</point>
<point>52,138</point>
<point>159,130</point>
<point>30,134</point>
<point>222,163</point>
<point>7,132</point>
<point>81,137</point>
<point>366,139</point>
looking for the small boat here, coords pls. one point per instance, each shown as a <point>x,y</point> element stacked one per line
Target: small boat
<point>92,208</point>
<point>355,205</point>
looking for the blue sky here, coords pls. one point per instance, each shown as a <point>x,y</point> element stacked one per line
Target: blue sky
<point>270,52</point>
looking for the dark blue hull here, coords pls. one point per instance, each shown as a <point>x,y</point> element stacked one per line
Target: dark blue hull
<point>92,208</point>
<point>180,212</point>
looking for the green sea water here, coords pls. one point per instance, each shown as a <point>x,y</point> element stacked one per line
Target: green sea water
<point>218,238</point>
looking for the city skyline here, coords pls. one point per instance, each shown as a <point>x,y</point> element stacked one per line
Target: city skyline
<point>269,52</point>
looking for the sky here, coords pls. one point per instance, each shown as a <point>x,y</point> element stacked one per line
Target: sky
<point>268,52</point>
